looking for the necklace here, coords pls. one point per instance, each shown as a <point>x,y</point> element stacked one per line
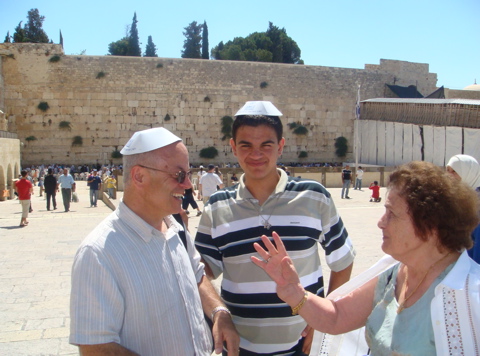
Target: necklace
<point>266,221</point>
<point>404,287</point>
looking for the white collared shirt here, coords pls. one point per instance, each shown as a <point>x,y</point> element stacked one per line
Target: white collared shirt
<point>135,286</point>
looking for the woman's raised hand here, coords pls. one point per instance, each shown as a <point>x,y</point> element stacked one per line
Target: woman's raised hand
<point>279,266</point>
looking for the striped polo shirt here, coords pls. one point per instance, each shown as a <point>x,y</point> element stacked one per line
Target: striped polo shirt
<point>302,212</point>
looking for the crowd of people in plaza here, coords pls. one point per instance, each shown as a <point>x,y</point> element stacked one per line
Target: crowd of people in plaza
<point>139,279</point>
<point>53,179</point>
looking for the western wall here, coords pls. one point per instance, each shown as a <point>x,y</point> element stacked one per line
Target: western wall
<point>106,98</point>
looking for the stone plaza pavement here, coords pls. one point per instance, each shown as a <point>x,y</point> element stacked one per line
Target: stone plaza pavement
<point>36,261</point>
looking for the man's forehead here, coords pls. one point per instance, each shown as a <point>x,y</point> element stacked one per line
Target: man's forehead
<point>255,133</point>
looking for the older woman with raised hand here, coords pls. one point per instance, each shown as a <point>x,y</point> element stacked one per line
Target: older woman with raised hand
<point>428,303</point>
<point>467,169</point>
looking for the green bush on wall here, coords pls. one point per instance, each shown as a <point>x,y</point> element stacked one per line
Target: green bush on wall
<point>55,58</point>
<point>43,106</point>
<point>31,138</point>
<point>77,141</point>
<point>100,75</point>
<point>303,154</point>
<point>65,125</point>
<point>341,146</point>
<point>300,130</point>
<point>208,152</point>
<point>227,122</point>
<point>116,154</point>
<point>263,85</point>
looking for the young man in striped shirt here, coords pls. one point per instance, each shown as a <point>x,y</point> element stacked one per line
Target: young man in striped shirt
<point>266,200</point>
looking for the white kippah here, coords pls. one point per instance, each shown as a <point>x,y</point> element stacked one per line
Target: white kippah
<point>149,140</point>
<point>259,108</point>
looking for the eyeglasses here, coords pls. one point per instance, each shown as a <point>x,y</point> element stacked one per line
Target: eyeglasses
<point>180,175</point>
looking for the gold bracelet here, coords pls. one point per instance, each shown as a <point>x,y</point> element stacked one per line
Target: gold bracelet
<point>299,306</point>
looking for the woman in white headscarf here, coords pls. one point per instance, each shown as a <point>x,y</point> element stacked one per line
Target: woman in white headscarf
<point>467,169</point>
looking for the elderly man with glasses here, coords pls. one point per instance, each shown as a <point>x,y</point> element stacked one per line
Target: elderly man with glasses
<point>136,287</point>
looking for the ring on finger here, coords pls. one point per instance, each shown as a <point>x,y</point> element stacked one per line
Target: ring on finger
<point>268,259</point>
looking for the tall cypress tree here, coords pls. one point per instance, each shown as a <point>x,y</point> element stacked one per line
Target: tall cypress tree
<point>61,38</point>
<point>191,45</point>
<point>133,41</point>
<point>151,49</point>
<point>7,38</point>
<point>205,54</point>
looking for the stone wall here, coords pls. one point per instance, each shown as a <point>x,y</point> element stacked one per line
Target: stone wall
<point>9,165</point>
<point>107,98</point>
<point>462,94</point>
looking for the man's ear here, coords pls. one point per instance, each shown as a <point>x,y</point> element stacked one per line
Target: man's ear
<point>281,144</point>
<point>137,175</point>
<point>234,147</point>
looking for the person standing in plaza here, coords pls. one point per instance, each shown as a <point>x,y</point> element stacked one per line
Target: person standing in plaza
<point>346,180</point>
<point>95,184</point>
<point>189,199</point>
<point>41,186</point>
<point>67,185</point>
<point>137,289</point>
<point>24,189</point>
<point>358,180</point>
<point>51,189</point>
<point>209,182</point>
<point>201,172</point>
<point>111,185</point>
<point>263,201</point>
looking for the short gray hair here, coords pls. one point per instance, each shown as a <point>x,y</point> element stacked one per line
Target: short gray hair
<point>129,161</point>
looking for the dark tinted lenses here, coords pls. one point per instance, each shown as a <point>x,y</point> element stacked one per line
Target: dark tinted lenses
<point>181,176</point>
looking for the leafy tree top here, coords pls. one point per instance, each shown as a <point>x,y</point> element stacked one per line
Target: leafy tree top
<point>193,37</point>
<point>133,41</point>
<point>205,54</point>
<point>274,45</point>
<point>119,48</point>
<point>151,49</point>
<point>32,31</point>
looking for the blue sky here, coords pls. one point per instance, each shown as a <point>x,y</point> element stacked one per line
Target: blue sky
<point>341,33</point>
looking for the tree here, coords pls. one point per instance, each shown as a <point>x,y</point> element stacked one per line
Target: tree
<point>33,28</point>
<point>119,48</point>
<point>191,45</point>
<point>150,50</point>
<point>133,41</point>
<point>274,45</point>
<point>61,38</point>
<point>205,54</point>
<point>216,52</point>
<point>19,34</point>
<point>7,38</point>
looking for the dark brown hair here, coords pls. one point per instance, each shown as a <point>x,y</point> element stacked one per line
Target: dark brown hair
<point>437,202</point>
<point>257,120</point>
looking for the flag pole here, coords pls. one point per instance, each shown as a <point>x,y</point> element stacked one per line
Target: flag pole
<point>355,128</point>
